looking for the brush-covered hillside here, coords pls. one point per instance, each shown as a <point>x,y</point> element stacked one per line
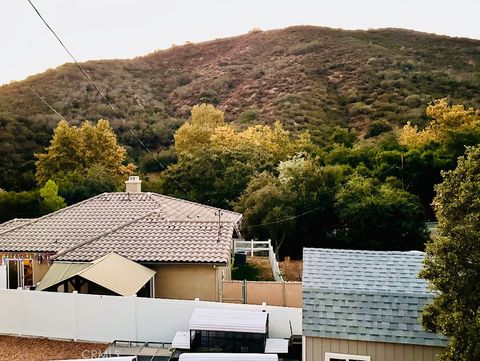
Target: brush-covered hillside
<point>306,77</point>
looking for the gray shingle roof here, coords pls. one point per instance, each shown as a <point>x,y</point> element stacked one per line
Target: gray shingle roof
<point>365,295</point>
<point>139,224</point>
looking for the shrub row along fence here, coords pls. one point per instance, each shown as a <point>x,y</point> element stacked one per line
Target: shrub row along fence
<point>253,248</point>
<point>286,294</point>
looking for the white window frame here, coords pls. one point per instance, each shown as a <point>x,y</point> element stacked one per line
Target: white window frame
<point>330,355</point>
<point>19,263</point>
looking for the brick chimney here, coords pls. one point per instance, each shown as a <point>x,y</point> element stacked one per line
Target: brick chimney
<point>134,184</point>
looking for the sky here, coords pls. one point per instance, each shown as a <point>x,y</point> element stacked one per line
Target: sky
<point>107,29</point>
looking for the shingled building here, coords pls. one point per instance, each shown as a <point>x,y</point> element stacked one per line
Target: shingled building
<point>365,306</point>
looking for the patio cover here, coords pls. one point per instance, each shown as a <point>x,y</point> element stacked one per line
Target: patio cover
<point>60,272</point>
<point>228,320</point>
<point>113,272</point>
<point>227,356</point>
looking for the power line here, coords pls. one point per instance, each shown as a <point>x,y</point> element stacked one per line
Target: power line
<point>61,117</point>
<point>281,220</point>
<point>144,146</point>
<point>130,129</point>
<point>104,97</point>
<point>71,55</point>
<point>45,102</point>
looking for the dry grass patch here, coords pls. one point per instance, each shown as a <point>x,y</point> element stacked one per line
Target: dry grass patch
<point>291,269</point>
<point>263,265</point>
<point>41,349</point>
<point>256,269</point>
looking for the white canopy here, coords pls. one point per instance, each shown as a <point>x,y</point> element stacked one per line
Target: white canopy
<point>229,320</point>
<point>276,345</point>
<point>227,356</point>
<point>181,340</point>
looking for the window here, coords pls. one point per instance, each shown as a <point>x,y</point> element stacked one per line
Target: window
<point>342,357</point>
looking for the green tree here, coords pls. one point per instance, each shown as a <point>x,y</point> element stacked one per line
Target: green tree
<point>77,149</point>
<point>295,208</point>
<point>31,204</point>
<point>379,216</point>
<point>19,205</point>
<point>267,210</point>
<point>51,201</point>
<point>76,186</point>
<point>452,262</point>
<point>216,162</point>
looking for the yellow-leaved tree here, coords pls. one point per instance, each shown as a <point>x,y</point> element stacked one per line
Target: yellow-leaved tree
<point>80,149</point>
<point>216,161</point>
<point>445,118</point>
<point>195,134</point>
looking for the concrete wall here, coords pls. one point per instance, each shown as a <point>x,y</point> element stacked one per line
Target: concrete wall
<point>315,348</point>
<point>188,281</point>
<point>108,318</point>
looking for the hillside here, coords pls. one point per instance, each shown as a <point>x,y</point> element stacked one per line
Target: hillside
<point>307,77</point>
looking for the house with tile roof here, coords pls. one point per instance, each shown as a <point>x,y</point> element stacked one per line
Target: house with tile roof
<point>365,305</point>
<point>188,245</point>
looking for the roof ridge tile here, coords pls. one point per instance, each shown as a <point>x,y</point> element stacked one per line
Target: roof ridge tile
<point>34,220</point>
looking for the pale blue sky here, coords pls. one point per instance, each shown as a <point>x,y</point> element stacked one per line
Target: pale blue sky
<point>99,29</point>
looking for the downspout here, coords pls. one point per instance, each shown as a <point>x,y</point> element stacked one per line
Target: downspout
<point>217,295</point>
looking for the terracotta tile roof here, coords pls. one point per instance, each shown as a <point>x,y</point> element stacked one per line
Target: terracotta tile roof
<point>13,223</point>
<point>155,239</point>
<point>139,226</point>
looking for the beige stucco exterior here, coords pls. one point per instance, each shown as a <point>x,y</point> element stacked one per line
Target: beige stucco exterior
<point>189,281</point>
<point>176,281</point>
<point>39,270</point>
<point>316,347</point>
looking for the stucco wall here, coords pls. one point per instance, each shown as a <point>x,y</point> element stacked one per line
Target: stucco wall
<point>39,270</point>
<point>315,348</point>
<point>188,281</point>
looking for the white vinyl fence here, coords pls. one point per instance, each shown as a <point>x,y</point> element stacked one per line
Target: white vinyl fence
<point>108,318</point>
<point>3,276</point>
<point>252,247</point>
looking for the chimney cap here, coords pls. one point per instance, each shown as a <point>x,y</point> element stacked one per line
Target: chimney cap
<point>133,184</point>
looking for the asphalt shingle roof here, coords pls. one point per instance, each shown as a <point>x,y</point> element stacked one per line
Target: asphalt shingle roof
<point>139,226</point>
<point>365,295</point>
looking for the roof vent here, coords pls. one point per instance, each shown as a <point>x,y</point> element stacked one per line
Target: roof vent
<point>134,184</point>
